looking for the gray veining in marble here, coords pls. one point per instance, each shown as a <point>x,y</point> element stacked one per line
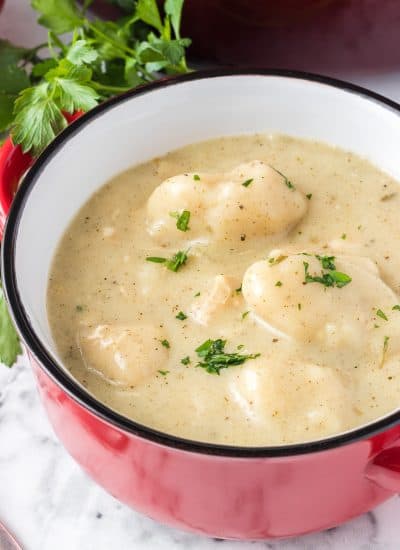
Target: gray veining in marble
<point>50,504</point>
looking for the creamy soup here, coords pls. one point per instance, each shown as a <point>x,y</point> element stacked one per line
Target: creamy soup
<point>242,290</point>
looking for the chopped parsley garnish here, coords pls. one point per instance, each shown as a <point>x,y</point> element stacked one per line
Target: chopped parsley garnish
<point>396,307</point>
<point>288,183</point>
<point>172,264</point>
<point>163,372</point>
<point>165,343</point>
<point>182,223</point>
<point>196,177</point>
<point>213,357</point>
<point>238,290</point>
<point>245,314</point>
<point>278,283</point>
<point>182,220</point>
<point>299,307</point>
<point>181,316</point>
<point>330,277</point>
<point>380,314</point>
<point>156,259</point>
<point>385,348</point>
<point>247,182</point>
<point>309,196</point>
<point>185,360</point>
<point>79,308</point>
<point>343,236</point>
<point>240,346</point>
<point>197,294</point>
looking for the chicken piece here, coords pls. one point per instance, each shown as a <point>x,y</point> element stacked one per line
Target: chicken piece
<point>253,200</point>
<point>280,295</point>
<point>296,401</point>
<point>214,299</point>
<point>123,354</point>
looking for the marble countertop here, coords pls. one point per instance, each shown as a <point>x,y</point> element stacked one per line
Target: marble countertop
<point>50,504</point>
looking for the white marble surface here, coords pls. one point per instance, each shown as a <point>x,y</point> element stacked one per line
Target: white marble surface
<point>50,504</point>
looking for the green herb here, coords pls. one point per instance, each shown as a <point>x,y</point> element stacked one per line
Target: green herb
<point>329,278</point>
<point>163,372</point>
<point>299,307</point>
<point>10,347</point>
<point>326,261</point>
<point>343,236</point>
<point>96,61</point>
<point>165,343</point>
<point>156,259</point>
<point>384,350</point>
<point>380,314</point>
<point>309,196</point>
<point>185,360</point>
<point>238,290</point>
<point>172,264</point>
<point>213,356</point>
<point>182,222</point>
<point>288,183</point>
<point>79,308</point>
<point>181,316</point>
<point>240,346</point>
<point>396,307</point>
<point>247,182</point>
<point>197,294</point>
<point>278,283</point>
<point>245,314</point>
<point>196,177</point>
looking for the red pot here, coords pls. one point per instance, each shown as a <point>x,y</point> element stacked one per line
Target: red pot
<point>217,490</point>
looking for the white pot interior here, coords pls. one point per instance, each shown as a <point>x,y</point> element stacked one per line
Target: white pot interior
<point>147,125</point>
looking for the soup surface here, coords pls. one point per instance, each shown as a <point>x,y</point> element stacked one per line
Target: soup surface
<point>242,290</point>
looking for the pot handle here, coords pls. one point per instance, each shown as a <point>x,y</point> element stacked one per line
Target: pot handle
<point>384,469</point>
<point>13,165</point>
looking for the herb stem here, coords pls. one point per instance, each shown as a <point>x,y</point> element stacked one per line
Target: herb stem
<point>106,38</point>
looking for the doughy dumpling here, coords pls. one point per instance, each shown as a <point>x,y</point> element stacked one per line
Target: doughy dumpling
<point>277,291</point>
<point>123,354</point>
<point>222,208</point>
<point>295,402</point>
<point>214,299</point>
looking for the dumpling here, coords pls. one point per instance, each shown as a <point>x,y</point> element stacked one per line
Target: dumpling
<point>281,293</point>
<point>213,300</point>
<point>253,200</point>
<point>123,354</point>
<point>295,402</point>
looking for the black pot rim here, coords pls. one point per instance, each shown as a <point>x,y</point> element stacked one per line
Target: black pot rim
<point>56,371</point>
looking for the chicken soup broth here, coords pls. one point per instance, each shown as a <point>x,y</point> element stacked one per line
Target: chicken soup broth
<point>242,290</point>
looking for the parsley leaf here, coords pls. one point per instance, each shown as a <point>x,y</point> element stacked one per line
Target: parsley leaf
<point>10,347</point>
<point>329,278</point>
<point>181,316</point>
<point>396,307</point>
<point>213,356</point>
<point>172,264</point>
<point>247,182</point>
<point>185,360</point>
<point>38,119</point>
<point>165,343</point>
<point>148,12</point>
<point>380,314</point>
<point>81,52</point>
<point>173,8</point>
<point>182,223</point>
<point>59,16</point>
<point>288,183</point>
<point>163,372</point>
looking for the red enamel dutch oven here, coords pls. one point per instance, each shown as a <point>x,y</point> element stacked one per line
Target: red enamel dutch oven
<point>215,490</point>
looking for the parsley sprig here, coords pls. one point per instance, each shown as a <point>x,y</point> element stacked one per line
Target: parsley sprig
<point>213,357</point>
<point>103,58</point>
<point>329,277</point>
<point>10,347</point>
<point>173,264</point>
